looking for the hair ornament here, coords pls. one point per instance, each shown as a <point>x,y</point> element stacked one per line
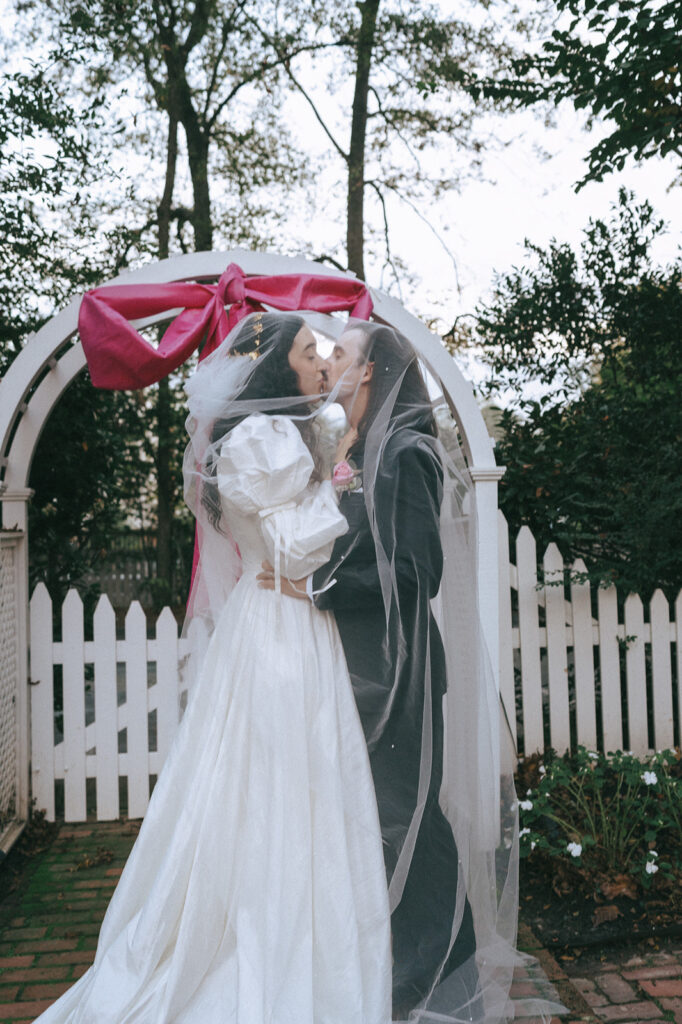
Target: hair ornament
<point>258,329</point>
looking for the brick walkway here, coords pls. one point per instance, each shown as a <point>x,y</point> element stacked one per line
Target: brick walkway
<point>49,928</point>
<point>632,984</point>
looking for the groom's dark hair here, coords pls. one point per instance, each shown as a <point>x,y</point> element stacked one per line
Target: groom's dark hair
<point>394,357</point>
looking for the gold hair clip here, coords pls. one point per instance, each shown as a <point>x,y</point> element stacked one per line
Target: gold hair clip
<point>258,328</point>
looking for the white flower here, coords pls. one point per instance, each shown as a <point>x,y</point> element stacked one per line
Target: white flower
<point>575,849</point>
<point>649,778</point>
<point>542,769</point>
<point>650,867</point>
<point>524,832</point>
<point>652,853</point>
<point>533,844</point>
<point>526,805</point>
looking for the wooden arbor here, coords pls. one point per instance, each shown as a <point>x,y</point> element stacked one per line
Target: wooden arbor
<point>32,387</point>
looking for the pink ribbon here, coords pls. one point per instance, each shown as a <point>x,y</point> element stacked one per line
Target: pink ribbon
<point>119,358</point>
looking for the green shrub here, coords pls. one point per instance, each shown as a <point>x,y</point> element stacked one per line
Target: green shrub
<point>604,814</point>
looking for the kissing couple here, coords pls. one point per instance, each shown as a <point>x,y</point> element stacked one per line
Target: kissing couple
<point>295,865</point>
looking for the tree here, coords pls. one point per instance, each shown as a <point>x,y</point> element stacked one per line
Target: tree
<point>193,61</point>
<point>409,65</point>
<point>595,464</point>
<point>619,62</point>
<point>45,155</point>
<point>82,470</point>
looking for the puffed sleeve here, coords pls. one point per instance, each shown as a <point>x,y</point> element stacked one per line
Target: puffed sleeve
<point>264,469</point>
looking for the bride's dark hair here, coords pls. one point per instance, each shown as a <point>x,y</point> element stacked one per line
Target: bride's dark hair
<point>272,378</point>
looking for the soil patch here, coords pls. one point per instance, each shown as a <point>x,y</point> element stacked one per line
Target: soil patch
<point>569,912</point>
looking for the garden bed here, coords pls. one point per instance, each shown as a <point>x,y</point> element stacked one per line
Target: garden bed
<point>601,848</point>
<point>568,915</point>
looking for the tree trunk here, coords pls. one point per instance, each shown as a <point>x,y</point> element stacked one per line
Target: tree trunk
<point>164,473</point>
<point>197,155</point>
<point>355,233</point>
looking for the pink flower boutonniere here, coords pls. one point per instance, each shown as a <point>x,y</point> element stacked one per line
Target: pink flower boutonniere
<point>346,477</point>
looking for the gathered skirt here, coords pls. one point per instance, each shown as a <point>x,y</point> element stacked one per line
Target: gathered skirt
<point>256,890</point>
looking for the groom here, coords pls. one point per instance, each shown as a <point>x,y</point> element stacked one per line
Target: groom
<point>392,663</point>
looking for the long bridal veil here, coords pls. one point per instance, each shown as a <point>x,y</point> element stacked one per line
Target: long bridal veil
<point>477,794</point>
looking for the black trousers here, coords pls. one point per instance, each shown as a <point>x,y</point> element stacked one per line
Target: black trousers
<point>422,922</point>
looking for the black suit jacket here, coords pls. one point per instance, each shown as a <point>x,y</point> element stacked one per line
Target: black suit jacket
<point>393,655</point>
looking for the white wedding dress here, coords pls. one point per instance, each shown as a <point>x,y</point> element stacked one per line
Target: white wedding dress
<point>256,890</point>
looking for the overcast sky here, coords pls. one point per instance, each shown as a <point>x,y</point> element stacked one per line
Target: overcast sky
<point>484,225</point>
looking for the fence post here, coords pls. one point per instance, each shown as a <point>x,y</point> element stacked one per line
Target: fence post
<point>507,690</point>
<point>660,671</point>
<point>74,707</point>
<point>529,641</point>
<point>583,659</point>
<point>137,708</point>
<point>633,618</point>
<point>42,702</point>
<point>557,663</point>
<point>609,669</point>
<point>106,710</point>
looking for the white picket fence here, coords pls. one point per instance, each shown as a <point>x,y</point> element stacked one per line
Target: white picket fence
<point>107,703</point>
<point>574,686</point>
<point>561,671</point>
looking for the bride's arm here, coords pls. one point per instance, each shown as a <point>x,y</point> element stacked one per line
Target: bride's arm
<point>264,470</point>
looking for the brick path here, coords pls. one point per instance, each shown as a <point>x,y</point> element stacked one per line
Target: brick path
<point>49,929</point>
<point>633,984</point>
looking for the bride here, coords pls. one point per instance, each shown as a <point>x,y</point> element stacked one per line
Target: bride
<point>256,890</point>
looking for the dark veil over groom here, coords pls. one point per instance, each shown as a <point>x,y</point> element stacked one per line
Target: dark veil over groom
<point>386,569</point>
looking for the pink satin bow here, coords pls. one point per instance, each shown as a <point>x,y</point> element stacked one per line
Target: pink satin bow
<point>119,358</point>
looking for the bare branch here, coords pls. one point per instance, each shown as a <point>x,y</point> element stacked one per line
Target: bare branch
<point>198,27</point>
<point>285,59</point>
<point>326,258</point>
<point>387,242</point>
<point>342,153</point>
<point>214,72</point>
<point>259,71</point>
<point>429,225</point>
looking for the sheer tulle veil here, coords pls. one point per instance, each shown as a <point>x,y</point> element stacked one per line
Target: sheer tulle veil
<point>477,793</point>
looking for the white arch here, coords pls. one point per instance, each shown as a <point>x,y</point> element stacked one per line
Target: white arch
<point>53,357</point>
<point>25,407</point>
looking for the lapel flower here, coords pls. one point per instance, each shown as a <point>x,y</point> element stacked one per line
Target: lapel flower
<point>346,477</point>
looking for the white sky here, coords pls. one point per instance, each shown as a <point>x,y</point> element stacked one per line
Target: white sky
<point>523,195</point>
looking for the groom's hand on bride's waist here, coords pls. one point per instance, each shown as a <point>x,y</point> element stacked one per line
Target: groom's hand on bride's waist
<point>293,588</point>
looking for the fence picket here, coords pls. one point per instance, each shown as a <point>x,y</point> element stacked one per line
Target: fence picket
<point>505,619</point>
<point>106,701</point>
<point>529,642</point>
<point>660,671</point>
<point>583,660</point>
<point>74,707</point>
<point>42,702</point>
<point>609,668</point>
<point>167,696</point>
<point>633,618</point>
<point>138,710</point>
<point>557,663</point>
